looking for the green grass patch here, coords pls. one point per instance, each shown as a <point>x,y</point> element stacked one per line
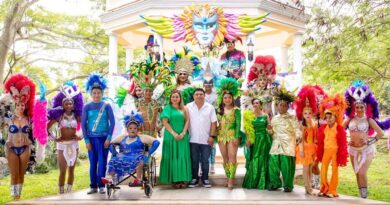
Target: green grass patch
<point>43,185</point>
<point>378,179</point>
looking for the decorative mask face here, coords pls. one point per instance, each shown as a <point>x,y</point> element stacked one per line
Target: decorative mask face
<point>205,28</point>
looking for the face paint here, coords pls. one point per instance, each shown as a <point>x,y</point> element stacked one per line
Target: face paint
<point>205,28</point>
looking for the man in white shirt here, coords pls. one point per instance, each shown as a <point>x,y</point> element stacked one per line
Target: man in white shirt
<point>203,124</point>
<point>211,97</point>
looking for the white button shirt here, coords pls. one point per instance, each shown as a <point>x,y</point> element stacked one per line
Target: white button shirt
<point>200,122</point>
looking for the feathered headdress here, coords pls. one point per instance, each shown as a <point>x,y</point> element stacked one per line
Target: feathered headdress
<point>22,89</point>
<point>148,75</point>
<point>133,117</point>
<point>359,92</point>
<point>186,62</point>
<point>335,105</point>
<point>282,94</point>
<point>96,80</point>
<point>306,100</point>
<point>227,85</point>
<point>264,66</point>
<point>68,91</point>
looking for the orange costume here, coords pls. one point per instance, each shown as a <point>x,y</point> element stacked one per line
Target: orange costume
<point>309,146</point>
<point>332,145</point>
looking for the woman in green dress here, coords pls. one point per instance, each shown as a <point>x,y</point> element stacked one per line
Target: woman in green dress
<point>175,165</point>
<point>259,144</point>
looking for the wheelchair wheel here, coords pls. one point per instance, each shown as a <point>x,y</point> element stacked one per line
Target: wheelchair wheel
<point>153,172</point>
<point>148,190</point>
<point>109,190</point>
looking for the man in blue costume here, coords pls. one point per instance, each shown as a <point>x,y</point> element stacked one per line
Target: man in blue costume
<point>97,124</point>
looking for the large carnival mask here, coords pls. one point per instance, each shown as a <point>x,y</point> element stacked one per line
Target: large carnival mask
<point>205,28</point>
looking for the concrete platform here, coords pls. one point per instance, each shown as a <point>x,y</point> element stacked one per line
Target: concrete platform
<point>218,194</point>
<point>198,195</point>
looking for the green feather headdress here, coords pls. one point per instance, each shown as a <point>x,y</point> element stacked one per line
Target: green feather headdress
<point>227,85</point>
<point>148,75</point>
<point>282,94</point>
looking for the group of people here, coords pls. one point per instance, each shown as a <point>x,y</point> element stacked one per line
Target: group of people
<point>225,111</point>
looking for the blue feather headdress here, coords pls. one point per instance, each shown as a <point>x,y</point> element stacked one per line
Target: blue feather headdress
<point>96,80</point>
<point>134,117</point>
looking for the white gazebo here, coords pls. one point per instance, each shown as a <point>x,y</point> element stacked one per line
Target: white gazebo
<point>283,29</point>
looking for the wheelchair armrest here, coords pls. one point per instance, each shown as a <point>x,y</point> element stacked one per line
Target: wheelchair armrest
<point>113,149</point>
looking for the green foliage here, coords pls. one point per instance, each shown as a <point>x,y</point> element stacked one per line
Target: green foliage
<point>349,40</point>
<point>378,179</point>
<point>42,168</point>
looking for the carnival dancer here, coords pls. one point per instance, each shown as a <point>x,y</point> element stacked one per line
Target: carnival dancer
<point>211,97</point>
<point>132,147</point>
<point>175,165</point>
<point>285,130</point>
<point>332,143</point>
<point>233,60</point>
<point>229,118</point>
<point>320,95</point>
<point>66,111</point>
<point>306,108</point>
<point>361,113</point>
<point>186,65</point>
<point>148,76</point>
<point>258,142</point>
<point>261,76</point>
<point>97,124</point>
<point>19,142</point>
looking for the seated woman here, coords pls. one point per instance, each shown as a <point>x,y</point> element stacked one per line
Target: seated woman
<point>130,156</point>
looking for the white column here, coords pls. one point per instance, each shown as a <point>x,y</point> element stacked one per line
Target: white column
<point>297,46</point>
<point>284,58</point>
<point>129,57</point>
<point>112,62</point>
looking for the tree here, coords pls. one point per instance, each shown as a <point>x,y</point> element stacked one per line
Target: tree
<point>349,40</point>
<point>43,38</point>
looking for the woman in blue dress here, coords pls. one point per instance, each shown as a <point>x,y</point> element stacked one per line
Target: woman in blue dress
<point>130,156</point>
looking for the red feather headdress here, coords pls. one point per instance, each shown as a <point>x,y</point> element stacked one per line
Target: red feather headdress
<point>22,89</point>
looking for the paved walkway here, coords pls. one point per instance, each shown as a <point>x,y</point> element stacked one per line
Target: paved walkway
<point>198,195</point>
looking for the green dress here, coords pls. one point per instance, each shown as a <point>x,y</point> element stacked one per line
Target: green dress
<point>256,176</point>
<point>176,162</point>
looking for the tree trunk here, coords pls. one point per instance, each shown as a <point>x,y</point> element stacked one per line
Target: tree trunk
<point>12,24</point>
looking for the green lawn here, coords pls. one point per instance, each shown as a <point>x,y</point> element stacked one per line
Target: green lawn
<point>378,179</point>
<point>41,185</point>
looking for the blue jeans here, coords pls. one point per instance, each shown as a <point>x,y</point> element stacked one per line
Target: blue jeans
<point>97,161</point>
<point>200,153</point>
<point>212,155</point>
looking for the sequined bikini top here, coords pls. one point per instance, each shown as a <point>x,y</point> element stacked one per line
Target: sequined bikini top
<point>359,125</point>
<point>68,121</point>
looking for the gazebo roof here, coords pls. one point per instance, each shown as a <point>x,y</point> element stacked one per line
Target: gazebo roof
<point>122,19</point>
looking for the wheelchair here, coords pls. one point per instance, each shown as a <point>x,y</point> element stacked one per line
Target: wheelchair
<point>149,173</point>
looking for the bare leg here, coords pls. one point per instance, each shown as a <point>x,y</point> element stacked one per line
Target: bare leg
<point>71,171</point>
<point>232,154</point>
<point>13,163</point>
<point>62,167</point>
<point>362,174</point>
<point>224,152</point>
<point>24,158</point>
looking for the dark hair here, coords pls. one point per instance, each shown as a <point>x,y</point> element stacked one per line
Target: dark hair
<point>254,99</point>
<point>199,89</point>
<point>221,108</point>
